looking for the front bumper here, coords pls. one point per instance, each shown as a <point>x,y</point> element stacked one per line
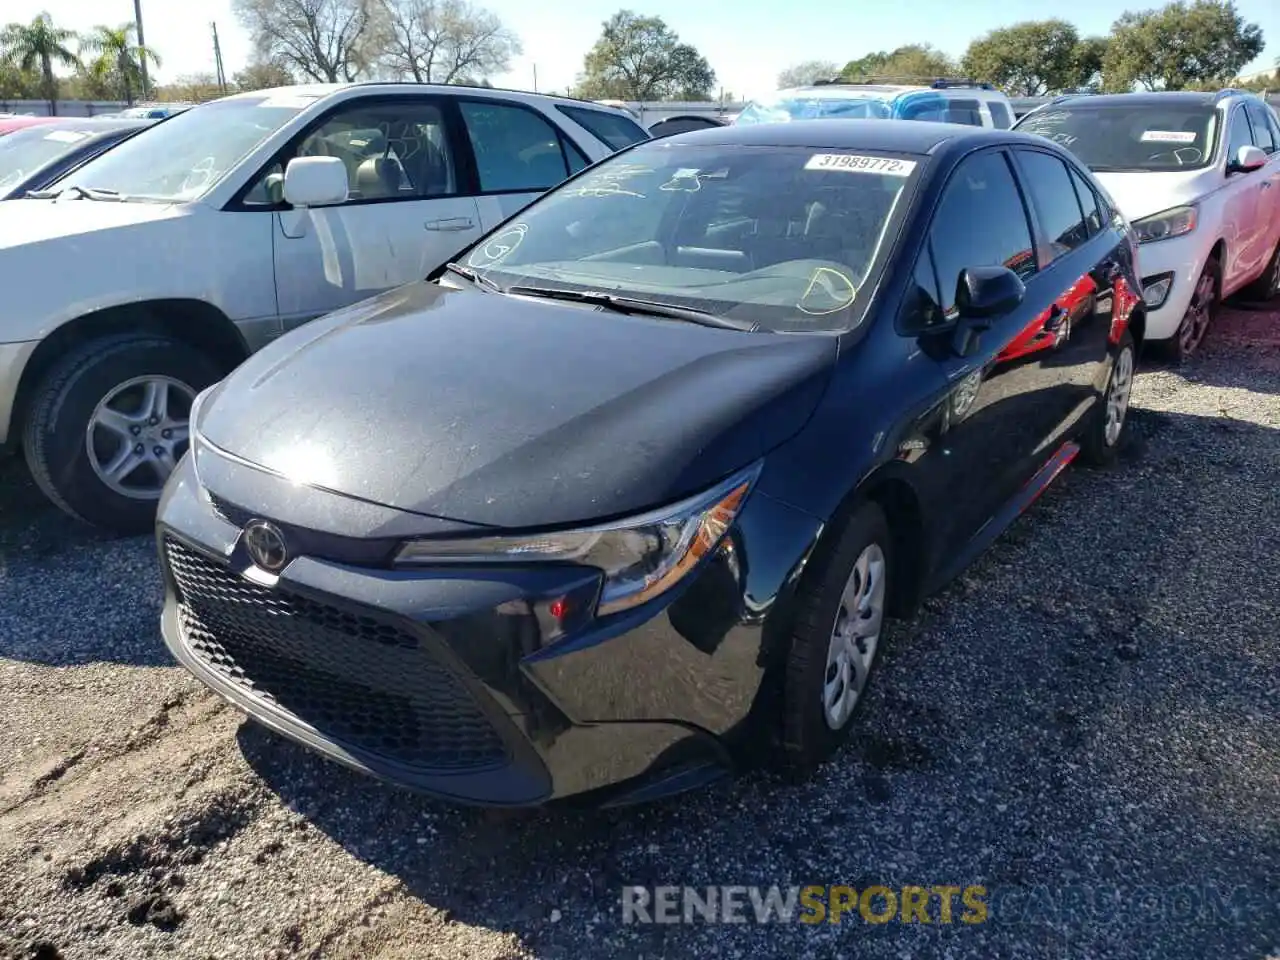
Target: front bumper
<point>1183,260</point>
<point>13,360</point>
<point>438,679</point>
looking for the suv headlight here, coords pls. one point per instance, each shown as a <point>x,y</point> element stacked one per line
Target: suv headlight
<point>1166,224</point>
<point>641,558</point>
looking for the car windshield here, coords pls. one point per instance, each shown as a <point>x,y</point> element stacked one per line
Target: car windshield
<point>814,107</point>
<point>25,151</point>
<point>790,239</point>
<point>183,157</point>
<point>1110,138</point>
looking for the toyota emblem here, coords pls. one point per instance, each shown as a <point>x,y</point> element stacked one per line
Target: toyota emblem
<point>265,545</point>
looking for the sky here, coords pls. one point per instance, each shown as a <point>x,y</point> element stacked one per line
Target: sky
<point>747,42</point>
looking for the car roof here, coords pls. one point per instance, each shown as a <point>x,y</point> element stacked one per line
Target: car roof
<point>8,124</point>
<point>320,90</point>
<point>97,124</point>
<point>1153,98</point>
<point>894,136</point>
<point>854,90</point>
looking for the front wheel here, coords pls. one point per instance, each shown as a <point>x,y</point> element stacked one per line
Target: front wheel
<point>1199,317</point>
<point>839,620</point>
<point>108,424</point>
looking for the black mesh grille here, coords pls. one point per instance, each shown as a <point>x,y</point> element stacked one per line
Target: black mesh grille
<point>361,682</point>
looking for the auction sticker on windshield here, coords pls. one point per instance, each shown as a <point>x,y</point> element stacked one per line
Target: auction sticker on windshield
<point>1168,136</point>
<point>853,163</point>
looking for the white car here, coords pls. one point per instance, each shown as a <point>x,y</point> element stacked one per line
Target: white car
<point>943,101</point>
<point>1198,177</point>
<point>162,264</point>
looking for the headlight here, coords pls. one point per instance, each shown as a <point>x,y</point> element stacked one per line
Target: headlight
<point>641,558</point>
<point>1169,223</point>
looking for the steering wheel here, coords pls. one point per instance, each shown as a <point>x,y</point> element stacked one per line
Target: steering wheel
<point>204,169</point>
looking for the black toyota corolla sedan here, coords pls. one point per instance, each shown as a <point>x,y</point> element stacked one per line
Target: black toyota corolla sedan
<point>620,501</point>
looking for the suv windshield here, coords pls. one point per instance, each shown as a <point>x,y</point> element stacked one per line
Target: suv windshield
<point>184,156</point>
<point>1122,137</point>
<point>786,238</point>
<point>25,151</point>
<point>805,107</point>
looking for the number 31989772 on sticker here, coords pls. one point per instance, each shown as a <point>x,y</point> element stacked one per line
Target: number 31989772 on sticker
<point>854,163</point>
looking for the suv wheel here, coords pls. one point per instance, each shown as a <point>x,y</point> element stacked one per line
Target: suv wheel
<point>108,424</point>
<point>1199,317</point>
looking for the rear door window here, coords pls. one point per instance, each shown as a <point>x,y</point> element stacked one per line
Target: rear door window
<point>612,129</point>
<point>964,111</point>
<point>1001,118</point>
<point>516,149</point>
<point>1054,197</point>
<point>1093,216</point>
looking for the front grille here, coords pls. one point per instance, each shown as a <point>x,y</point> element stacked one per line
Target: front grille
<point>358,681</point>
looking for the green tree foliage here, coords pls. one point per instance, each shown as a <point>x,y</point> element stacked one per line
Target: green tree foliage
<point>641,58</point>
<point>37,46</point>
<point>1034,58</point>
<point>1180,45</point>
<point>119,58</point>
<point>915,61</point>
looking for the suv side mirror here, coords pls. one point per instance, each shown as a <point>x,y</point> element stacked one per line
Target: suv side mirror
<point>1247,159</point>
<point>315,181</point>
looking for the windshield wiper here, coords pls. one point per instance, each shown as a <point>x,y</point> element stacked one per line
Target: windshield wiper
<point>633,305</point>
<point>478,279</point>
<point>89,193</point>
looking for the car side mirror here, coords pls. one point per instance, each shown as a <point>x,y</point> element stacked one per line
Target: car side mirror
<point>982,294</point>
<point>315,181</point>
<point>1247,159</point>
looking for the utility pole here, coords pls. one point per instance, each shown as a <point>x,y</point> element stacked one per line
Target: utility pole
<point>142,42</point>
<point>217,61</point>
<point>535,78</point>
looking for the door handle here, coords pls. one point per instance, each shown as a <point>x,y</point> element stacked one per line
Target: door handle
<point>451,224</point>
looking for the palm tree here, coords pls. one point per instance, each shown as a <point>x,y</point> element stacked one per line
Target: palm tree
<point>119,55</point>
<point>39,42</point>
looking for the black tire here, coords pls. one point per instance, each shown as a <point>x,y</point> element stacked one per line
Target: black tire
<point>807,737</point>
<point>1192,331</point>
<point>1267,287</point>
<point>63,404</point>
<point>1095,448</point>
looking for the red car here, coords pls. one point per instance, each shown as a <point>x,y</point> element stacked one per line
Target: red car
<point>10,124</point>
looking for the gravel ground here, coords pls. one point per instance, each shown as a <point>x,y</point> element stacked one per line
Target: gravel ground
<point>1093,703</point>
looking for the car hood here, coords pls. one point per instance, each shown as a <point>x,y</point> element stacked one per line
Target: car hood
<point>489,409</point>
<point>1140,195</point>
<point>27,221</point>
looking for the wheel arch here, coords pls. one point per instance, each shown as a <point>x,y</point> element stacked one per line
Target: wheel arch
<point>901,504</point>
<point>194,322</point>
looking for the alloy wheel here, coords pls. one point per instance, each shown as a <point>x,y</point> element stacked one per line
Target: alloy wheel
<point>854,637</point>
<point>1118,391</point>
<point>138,433</point>
<point>1199,314</point>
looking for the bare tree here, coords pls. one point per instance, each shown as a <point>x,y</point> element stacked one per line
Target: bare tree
<point>443,41</point>
<point>326,40</point>
<point>803,74</point>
